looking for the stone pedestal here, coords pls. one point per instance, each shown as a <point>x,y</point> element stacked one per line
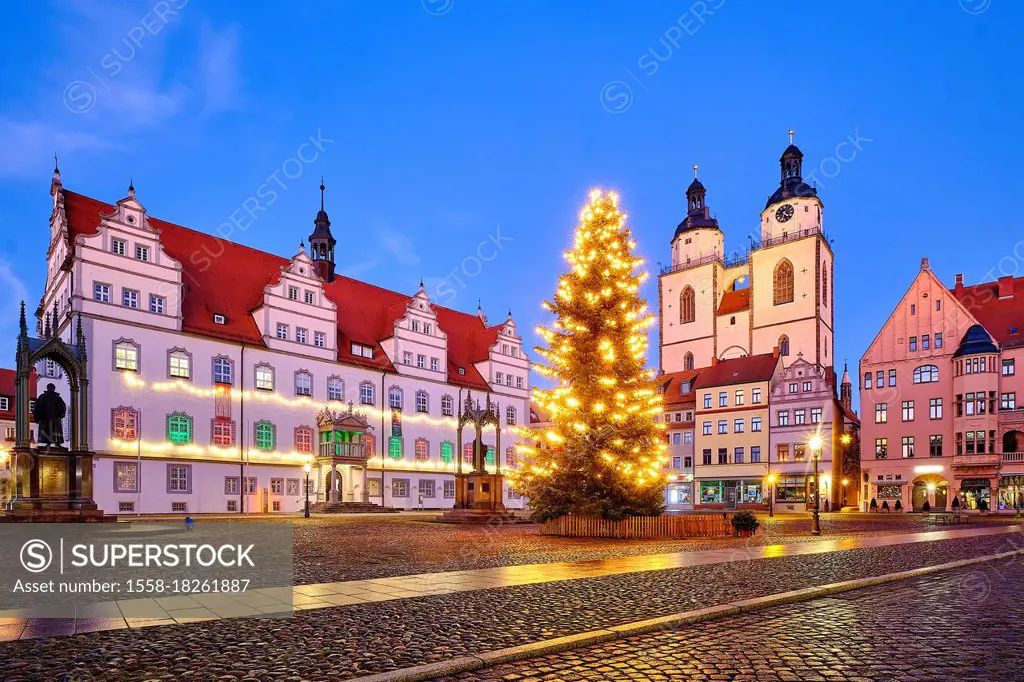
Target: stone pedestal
<point>478,500</point>
<point>53,485</point>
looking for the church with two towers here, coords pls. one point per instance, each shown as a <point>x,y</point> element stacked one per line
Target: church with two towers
<point>734,329</point>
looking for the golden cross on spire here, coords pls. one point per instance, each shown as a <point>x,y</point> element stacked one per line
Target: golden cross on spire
<point>791,131</point>
<point>695,171</point>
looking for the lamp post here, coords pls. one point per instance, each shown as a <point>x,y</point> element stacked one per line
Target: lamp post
<point>815,444</point>
<point>307,468</point>
<point>844,482</point>
<point>771,495</point>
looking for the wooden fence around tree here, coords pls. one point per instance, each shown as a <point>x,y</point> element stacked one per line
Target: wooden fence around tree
<point>668,526</point>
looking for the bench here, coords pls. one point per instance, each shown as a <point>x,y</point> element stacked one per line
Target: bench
<point>949,519</point>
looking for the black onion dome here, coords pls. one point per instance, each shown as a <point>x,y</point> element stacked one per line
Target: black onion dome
<point>976,342</point>
<point>697,213</point>
<point>791,184</point>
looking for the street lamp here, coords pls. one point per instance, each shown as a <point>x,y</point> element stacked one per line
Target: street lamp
<point>815,443</point>
<point>844,482</point>
<point>307,468</point>
<point>771,495</point>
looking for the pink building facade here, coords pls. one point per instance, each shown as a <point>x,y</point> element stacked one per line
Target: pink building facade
<point>939,387</point>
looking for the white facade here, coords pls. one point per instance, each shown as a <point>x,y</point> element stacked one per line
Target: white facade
<point>226,420</point>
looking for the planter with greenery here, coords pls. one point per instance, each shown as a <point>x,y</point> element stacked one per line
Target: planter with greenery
<point>926,508</point>
<point>874,504</point>
<point>745,523</point>
<point>956,505</point>
<point>899,506</point>
<point>885,505</point>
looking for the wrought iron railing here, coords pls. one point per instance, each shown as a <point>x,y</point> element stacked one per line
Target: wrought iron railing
<point>740,259</point>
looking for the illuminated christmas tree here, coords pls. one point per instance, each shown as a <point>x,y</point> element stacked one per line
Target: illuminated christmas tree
<point>603,452</point>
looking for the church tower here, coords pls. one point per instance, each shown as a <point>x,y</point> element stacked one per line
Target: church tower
<point>322,242</point>
<point>717,306</point>
<point>846,391</point>
<point>792,270</point>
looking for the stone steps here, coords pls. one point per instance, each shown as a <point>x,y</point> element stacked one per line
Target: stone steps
<point>351,508</point>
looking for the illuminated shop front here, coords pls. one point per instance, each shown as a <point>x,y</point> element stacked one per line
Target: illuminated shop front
<point>731,492</point>
<point>974,491</point>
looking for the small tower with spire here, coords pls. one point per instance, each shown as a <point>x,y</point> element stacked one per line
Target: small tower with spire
<point>846,390</point>
<point>697,235</point>
<point>322,242</point>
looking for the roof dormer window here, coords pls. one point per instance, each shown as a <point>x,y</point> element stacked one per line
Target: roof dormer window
<point>219,319</point>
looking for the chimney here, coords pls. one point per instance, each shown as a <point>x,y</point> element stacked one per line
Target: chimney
<point>776,351</point>
<point>714,361</point>
<point>1006,286</point>
<point>958,289</point>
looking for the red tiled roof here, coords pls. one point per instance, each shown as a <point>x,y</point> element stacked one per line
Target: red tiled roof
<point>734,301</point>
<point>997,315</point>
<point>8,379</point>
<point>671,384</point>
<point>8,387</point>
<point>738,371</point>
<point>228,278</point>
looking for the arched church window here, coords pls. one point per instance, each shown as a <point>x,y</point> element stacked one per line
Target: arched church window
<point>783,290</point>
<point>687,306</point>
<point>824,283</point>
<point>688,361</point>
<point>784,345</point>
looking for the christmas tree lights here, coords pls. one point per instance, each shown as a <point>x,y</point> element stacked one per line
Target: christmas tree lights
<point>603,452</point>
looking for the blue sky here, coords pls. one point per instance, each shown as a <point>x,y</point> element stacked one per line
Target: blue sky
<point>447,124</point>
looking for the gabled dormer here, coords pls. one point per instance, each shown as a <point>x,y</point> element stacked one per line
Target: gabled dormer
<point>418,345</point>
<point>507,367</point>
<point>296,315</point>
<point>122,270</point>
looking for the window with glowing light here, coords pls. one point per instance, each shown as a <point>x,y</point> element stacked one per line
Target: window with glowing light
<point>511,458</point>
<point>126,356</point>
<point>395,398</point>
<point>304,439</point>
<point>264,378</point>
<point>126,477</point>
<point>447,406</point>
<point>395,447</point>
<point>266,436</point>
<point>446,451</point>
<point>179,364</point>
<point>510,415</point>
<point>422,450</point>
<point>222,432</point>
<point>124,423</point>
<point>422,402</point>
<point>179,428</point>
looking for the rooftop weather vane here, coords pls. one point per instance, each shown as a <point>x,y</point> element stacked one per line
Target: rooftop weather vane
<point>791,131</point>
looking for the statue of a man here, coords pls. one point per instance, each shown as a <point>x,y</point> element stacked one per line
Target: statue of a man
<point>49,414</point>
<point>479,455</point>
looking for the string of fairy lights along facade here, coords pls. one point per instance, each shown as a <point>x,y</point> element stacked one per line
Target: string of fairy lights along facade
<point>604,403</point>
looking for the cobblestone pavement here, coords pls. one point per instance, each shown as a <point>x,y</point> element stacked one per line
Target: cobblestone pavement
<point>348,641</point>
<point>957,625</point>
<point>338,548</point>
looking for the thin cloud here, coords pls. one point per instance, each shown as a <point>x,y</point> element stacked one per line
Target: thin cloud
<point>398,245</point>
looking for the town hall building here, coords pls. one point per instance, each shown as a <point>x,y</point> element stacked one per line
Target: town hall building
<point>219,372</point>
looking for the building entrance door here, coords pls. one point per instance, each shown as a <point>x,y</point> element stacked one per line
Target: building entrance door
<point>919,495</point>
<point>729,495</point>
